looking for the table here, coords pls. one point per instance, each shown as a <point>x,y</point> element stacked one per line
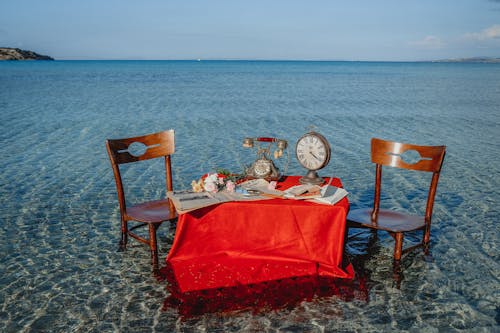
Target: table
<point>239,243</point>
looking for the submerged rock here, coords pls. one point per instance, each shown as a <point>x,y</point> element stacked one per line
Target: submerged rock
<point>7,53</point>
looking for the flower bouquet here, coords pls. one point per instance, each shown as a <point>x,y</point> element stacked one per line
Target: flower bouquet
<point>221,180</point>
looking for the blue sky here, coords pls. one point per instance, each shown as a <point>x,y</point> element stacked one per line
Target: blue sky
<point>392,30</point>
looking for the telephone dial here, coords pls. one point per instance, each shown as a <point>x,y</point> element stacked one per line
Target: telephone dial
<point>264,167</point>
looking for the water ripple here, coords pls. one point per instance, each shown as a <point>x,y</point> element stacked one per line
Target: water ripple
<point>60,270</point>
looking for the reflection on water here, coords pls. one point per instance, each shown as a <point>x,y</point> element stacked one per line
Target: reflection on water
<point>59,218</point>
<point>263,297</point>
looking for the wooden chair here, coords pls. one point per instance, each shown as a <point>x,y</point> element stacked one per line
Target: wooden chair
<point>388,153</point>
<point>150,213</point>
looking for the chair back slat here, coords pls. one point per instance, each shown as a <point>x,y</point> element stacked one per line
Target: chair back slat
<point>390,153</point>
<point>156,145</point>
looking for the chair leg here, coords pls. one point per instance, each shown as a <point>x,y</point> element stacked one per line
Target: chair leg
<point>426,239</point>
<point>124,236</point>
<point>397,273</point>
<point>396,265</point>
<point>154,247</point>
<point>398,245</point>
<point>427,249</point>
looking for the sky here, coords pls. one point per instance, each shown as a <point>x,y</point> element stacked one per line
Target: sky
<point>357,30</point>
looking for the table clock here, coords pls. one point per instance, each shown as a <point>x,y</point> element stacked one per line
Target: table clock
<point>264,167</point>
<point>313,153</point>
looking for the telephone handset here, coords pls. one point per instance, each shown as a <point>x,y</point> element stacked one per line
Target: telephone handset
<point>264,167</point>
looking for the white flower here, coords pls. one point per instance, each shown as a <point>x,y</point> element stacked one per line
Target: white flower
<point>211,187</point>
<point>211,183</point>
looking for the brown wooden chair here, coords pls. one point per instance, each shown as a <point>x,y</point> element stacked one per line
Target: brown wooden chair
<point>150,213</point>
<point>389,153</point>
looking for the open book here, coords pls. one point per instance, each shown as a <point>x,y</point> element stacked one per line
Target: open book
<point>325,194</point>
<point>331,194</point>
<point>185,201</point>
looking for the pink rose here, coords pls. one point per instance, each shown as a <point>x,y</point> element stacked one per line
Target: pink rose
<point>230,186</point>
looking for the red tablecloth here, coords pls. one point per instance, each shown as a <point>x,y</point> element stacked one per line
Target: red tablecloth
<point>237,243</point>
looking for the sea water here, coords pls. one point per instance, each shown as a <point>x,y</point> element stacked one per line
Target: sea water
<point>59,217</point>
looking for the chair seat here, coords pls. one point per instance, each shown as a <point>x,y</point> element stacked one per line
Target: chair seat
<point>387,220</point>
<point>151,212</point>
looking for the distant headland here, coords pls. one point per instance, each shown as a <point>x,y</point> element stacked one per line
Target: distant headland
<point>487,60</point>
<point>7,53</point>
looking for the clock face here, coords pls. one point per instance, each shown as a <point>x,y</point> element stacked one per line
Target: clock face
<point>313,151</point>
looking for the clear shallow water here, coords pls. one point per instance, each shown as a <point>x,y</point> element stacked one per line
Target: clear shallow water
<point>59,219</point>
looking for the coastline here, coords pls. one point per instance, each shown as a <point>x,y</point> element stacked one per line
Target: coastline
<point>8,53</point>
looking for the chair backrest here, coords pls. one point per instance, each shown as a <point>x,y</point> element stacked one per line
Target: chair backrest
<point>161,144</point>
<point>389,153</point>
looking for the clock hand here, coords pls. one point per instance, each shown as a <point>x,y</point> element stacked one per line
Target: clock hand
<point>316,157</point>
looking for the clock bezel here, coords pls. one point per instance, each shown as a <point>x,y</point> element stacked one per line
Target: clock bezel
<point>324,141</point>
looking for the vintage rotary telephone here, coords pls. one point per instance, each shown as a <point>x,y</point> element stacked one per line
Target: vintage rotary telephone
<point>264,167</point>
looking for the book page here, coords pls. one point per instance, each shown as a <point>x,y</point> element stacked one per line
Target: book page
<point>260,187</point>
<point>188,200</point>
<point>305,191</point>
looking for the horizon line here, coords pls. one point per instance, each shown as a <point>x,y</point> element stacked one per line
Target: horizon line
<point>457,59</point>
